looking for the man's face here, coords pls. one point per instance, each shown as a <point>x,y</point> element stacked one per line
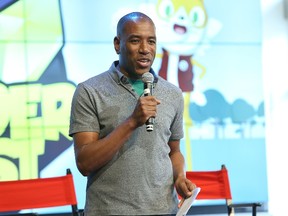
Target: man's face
<point>136,47</point>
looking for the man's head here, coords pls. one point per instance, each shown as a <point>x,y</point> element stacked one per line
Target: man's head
<point>135,44</point>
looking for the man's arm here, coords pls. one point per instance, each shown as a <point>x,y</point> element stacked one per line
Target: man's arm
<point>92,153</point>
<point>183,185</point>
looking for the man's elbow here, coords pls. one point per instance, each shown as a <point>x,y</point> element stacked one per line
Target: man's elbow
<point>83,169</point>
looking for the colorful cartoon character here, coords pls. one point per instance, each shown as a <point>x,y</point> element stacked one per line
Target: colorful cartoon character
<point>182,30</point>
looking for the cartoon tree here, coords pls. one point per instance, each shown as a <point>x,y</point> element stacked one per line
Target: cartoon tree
<point>216,108</point>
<point>242,113</point>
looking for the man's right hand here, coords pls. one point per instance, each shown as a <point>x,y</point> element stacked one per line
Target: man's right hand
<point>146,107</point>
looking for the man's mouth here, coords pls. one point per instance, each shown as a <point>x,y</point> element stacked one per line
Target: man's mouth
<point>144,62</point>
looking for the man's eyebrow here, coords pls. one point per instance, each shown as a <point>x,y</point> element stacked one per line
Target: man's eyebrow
<point>134,35</point>
<point>140,36</point>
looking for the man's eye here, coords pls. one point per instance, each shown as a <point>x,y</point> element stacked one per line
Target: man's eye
<point>152,41</point>
<point>134,41</point>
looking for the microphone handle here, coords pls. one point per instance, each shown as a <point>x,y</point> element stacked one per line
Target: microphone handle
<point>148,90</point>
<point>150,124</point>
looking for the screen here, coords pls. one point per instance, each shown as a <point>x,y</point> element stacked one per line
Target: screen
<point>210,49</point>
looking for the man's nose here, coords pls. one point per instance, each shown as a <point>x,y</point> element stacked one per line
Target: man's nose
<point>144,47</point>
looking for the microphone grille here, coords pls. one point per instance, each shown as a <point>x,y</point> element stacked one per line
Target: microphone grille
<point>147,77</point>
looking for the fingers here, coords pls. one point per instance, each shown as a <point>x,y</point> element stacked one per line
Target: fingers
<point>185,188</point>
<point>191,186</point>
<point>149,101</point>
<point>146,108</point>
<point>181,202</point>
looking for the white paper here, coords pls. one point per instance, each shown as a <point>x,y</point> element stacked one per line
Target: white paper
<point>188,203</point>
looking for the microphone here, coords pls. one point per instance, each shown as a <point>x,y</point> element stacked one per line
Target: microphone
<point>147,79</point>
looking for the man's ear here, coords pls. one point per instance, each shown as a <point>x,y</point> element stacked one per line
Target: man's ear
<point>117,44</point>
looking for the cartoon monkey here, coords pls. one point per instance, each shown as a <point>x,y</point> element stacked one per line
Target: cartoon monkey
<point>182,29</point>
<point>184,23</point>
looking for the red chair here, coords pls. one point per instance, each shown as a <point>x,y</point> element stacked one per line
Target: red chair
<point>215,185</point>
<point>17,195</point>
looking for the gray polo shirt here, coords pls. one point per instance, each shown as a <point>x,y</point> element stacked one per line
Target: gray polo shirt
<point>139,179</point>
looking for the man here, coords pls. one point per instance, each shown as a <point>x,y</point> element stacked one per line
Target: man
<point>130,171</point>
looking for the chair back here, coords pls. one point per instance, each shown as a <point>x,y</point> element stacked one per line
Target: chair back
<point>213,184</point>
<point>216,185</point>
<point>38,193</point>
